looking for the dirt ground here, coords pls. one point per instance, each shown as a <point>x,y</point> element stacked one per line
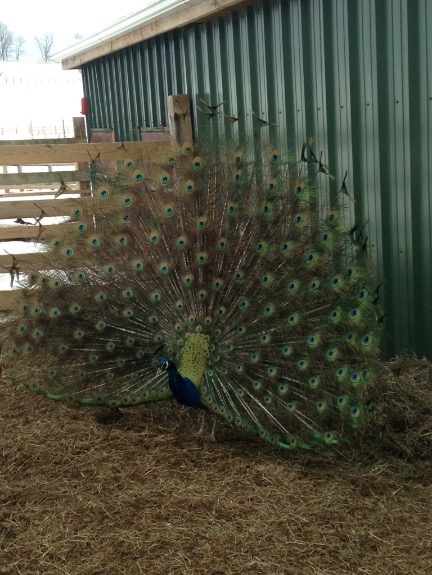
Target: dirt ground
<point>144,495</point>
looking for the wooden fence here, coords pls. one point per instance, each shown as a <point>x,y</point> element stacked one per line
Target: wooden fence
<point>80,153</point>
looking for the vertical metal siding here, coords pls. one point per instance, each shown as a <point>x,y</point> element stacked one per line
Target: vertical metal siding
<point>396,170</point>
<point>228,79</point>
<point>276,63</point>
<point>295,72</point>
<point>365,178</point>
<point>421,157</point>
<point>356,75</point>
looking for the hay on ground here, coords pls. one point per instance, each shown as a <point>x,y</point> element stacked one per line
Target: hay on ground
<point>143,495</point>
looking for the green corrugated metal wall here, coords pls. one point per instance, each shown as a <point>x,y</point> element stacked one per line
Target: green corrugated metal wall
<point>354,74</point>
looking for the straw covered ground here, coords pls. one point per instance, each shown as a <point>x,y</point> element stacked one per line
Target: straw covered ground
<point>143,495</point>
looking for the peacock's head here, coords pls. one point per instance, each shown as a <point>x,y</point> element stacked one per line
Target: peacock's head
<point>163,365</point>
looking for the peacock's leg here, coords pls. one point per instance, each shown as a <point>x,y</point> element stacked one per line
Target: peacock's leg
<point>202,428</point>
<point>213,431</point>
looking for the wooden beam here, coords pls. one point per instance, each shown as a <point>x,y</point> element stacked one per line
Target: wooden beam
<point>25,233</point>
<point>24,263</point>
<point>54,208</point>
<point>51,207</point>
<point>73,153</point>
<point>29,179</point>
<point>38,190</point>
<point>183,16</point>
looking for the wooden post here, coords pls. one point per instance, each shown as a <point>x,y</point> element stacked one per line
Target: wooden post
<point>180,118</point>
<point>79,128</point>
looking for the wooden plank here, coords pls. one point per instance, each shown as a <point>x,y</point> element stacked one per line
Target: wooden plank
<point>25,263</point>
<point>26,180</point>
<point>51,207</point>
<point>39,232</point>
<point>39,190</point>
<point>73,153</point>
<point>36,190</point>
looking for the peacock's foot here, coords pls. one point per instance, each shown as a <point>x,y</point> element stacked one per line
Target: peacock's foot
<point>203,433</point>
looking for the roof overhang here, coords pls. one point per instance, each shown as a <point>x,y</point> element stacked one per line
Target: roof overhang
<point>161,16</point>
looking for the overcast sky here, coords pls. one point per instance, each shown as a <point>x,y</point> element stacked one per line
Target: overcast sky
<point>30,18</point>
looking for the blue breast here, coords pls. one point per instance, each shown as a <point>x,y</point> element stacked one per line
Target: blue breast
<point>183,389</point>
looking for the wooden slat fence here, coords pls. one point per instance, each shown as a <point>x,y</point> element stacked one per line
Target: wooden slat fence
<point>60,152</point>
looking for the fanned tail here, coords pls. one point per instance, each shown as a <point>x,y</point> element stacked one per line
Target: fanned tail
<point>209,242</point>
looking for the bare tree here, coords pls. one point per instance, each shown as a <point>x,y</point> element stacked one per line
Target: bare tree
<point>6,42</point>
<point>45,44</point>
<point>17,47</point>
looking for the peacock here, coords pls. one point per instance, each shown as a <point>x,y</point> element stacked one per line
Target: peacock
<point>218,277</point>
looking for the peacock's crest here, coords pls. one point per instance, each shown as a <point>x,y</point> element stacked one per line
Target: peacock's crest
<point>225,264</point>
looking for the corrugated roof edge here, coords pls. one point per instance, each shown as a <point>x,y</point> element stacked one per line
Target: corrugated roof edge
<point>160,17</point>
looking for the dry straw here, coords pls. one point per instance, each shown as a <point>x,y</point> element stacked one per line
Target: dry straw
<point>143,495</point>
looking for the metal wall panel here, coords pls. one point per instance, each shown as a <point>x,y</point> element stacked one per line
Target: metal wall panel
<point>356,75</point>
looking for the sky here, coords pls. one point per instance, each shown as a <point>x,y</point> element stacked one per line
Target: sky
<point>30,18</point>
